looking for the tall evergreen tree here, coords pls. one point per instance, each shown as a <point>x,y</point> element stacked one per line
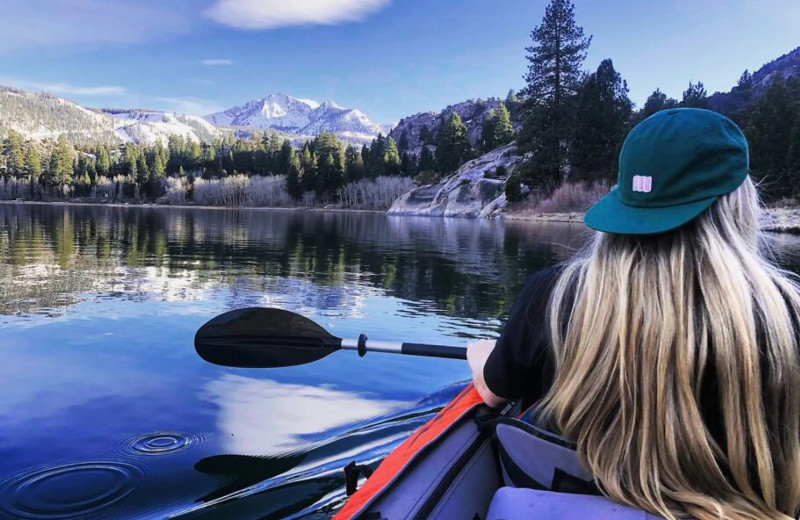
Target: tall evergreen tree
<point>603,113</point>
<point>294,177</point>
<point>427,161</point>
<point>354,164</point>
<point>553,78</point>
<point>695,96</point>
<point>497,129</point>
<point>61,164</point>
<point>402,144</point>
<point>284,157</point>
<point>793,158</point>
<point>391,158</point>
<point>425,135</point>
<point>770,136</point>
<point>655,102</point>
<point>504,130</point>
<point>16,155</point>
<point>103,161</point>
<point>451,144</point>
<point>33,165</point>
<point>408,163</point>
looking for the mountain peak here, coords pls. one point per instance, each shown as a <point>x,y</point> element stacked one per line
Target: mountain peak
<point>284,113</point>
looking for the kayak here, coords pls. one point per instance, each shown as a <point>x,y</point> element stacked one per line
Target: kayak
<point>473,463</point>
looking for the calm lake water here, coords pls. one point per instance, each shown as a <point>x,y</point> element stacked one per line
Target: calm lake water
<point>107,412</point>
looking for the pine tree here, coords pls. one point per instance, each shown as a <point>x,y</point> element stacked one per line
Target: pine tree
<point>451,144</point>
<point>656,102</point>
<point>308,162</point>
<point>402,144</point>
<point>793,158</point>
<point>603,113</point>
<point>391,158</point>
<point>61,164</point>
<point>408,164</point>
<point>33,166</point>
<point>294,174</point>
<point>129,164</point>
<point>425,135</point>
<point>16,155</point>
<point>142,170</point>
<point>159,162</point>
<point>553,78</point>
<point>354,164</point>
<point>427,161</point>
<point>283,158</point>
<point>103,161</point>
<point>375,163</point>
<point>488,130</point>
<point>745,80</point>
<point>513,190</point>
<point>770,137</point>
<point>503,131</point>
<point>695,96</point>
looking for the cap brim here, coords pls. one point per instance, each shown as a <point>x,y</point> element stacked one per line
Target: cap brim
<point>610,215</point>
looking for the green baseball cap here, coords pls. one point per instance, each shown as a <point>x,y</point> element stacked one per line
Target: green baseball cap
<point>673,165</point>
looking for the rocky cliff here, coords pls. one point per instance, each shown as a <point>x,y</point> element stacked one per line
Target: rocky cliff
<point>475,190</point>
<point>472,112</point>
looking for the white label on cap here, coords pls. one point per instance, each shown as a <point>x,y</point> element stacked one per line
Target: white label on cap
<point>643,183</point>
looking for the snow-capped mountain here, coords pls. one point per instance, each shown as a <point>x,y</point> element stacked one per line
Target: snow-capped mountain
<point>150,126</point>
<point>39,116</point>
<point>277,111</point>
<point>299,116</point>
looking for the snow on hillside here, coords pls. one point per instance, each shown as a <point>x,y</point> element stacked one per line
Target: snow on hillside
<point>38,116</point>
<point>42,116</point>
<point>299,116</point>
<point>151,126</point>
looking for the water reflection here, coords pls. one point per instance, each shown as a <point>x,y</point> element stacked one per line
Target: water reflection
<point>56,255</point>
<point>271,418</point>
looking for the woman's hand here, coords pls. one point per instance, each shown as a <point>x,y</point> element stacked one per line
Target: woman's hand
<point>477,354</point>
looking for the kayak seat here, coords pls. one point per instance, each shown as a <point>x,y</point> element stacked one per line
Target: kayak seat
<point>511,503</point>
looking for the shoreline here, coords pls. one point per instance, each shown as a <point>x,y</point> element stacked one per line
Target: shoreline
<point>774,220</point>
<point>187,206</point>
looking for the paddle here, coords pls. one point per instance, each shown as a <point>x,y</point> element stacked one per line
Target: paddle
<point>268,338</point>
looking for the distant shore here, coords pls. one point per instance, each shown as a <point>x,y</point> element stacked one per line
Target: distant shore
<point>775,220</point>
<point>189,206</point>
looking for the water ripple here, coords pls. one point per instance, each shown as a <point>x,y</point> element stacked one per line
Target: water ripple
<point>163,443</point>
<point>68,491</point>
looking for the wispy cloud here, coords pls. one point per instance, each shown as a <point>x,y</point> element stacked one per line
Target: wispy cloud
<point>216,62</point>
<point>189,105</point>
<point>43,23</point>
<point>64,89</point>
<point>268,14</point>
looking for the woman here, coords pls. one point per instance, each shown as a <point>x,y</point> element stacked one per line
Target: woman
<point>667,350</point>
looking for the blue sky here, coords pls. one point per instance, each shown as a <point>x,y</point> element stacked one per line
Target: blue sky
<point>389,58</point>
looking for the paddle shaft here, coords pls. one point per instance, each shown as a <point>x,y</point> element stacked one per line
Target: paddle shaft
<point>364,345</point>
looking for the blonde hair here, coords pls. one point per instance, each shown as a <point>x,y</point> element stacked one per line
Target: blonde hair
<point>637,324</point>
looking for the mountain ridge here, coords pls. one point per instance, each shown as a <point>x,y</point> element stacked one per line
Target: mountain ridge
<point>285,113</point>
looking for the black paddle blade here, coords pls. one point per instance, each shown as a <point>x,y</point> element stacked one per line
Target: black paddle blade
<point>263,338</point>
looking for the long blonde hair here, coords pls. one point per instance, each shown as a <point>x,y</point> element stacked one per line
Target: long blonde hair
<point>638,324</point>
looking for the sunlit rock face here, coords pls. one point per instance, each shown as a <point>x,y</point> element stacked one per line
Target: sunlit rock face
<point>475,190</point>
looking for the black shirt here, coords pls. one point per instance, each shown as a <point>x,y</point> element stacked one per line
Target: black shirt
<point>521,364</point>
